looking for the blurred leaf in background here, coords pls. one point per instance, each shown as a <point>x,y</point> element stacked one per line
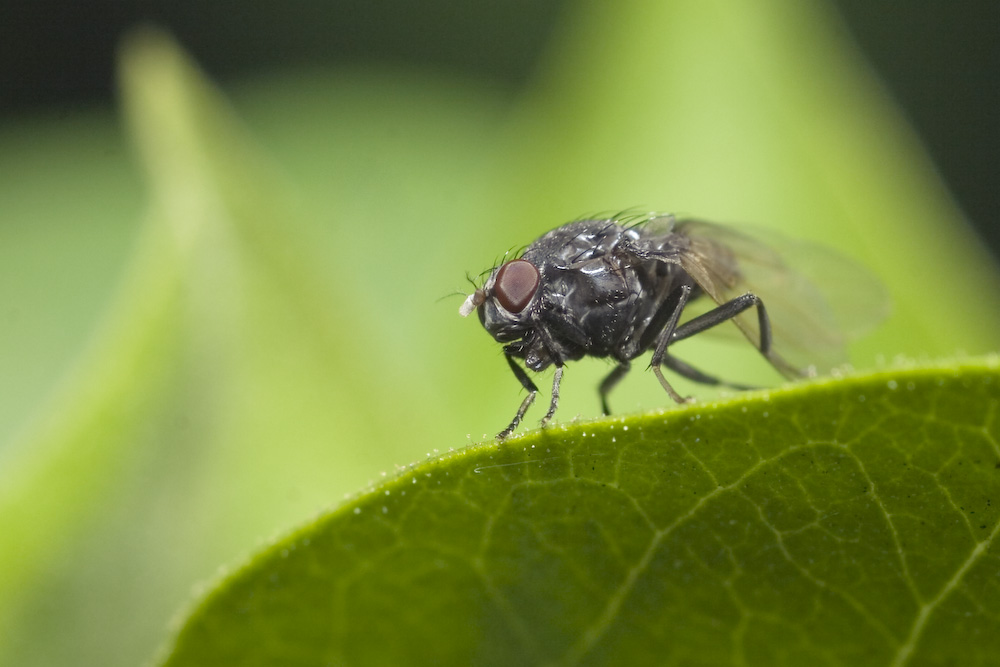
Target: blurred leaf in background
<point>277,339</point>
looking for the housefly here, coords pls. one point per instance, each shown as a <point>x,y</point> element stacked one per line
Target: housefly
<point>619,287</point>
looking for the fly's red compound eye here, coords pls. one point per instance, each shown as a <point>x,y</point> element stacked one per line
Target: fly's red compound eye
<point>516,283</point>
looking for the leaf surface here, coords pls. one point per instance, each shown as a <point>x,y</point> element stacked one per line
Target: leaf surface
<point>840,522</point>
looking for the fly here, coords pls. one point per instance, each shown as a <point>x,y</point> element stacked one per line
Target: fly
<point>617,288</point>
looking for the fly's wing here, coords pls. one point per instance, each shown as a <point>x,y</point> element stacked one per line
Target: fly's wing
<point>817,300</point>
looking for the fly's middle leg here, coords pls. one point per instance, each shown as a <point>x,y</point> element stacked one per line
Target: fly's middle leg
<point>554,403</point>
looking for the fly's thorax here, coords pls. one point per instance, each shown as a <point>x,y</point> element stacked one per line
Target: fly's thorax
<point>575,242</point>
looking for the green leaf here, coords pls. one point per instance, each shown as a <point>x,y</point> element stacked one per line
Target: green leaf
<point>839,522</point>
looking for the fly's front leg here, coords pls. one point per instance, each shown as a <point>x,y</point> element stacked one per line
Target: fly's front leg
<point>665,337</point>
<point>555,350</point>
<point>526,382</point>
<point>728,311</point>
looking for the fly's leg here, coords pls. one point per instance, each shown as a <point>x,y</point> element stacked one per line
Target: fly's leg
<point>691,373</point>
<point>555,396</point>
<point>666,336</point>
<point>609,383</point>
<point>556,354</point>
<point>526,382</point>
<point>728,311</point>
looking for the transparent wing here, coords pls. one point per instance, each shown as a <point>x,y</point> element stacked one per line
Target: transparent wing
<point>817,299</point>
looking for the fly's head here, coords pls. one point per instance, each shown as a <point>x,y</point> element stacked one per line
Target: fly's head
<point>504,300</point>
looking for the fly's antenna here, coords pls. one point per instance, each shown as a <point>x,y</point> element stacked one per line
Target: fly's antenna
<point>472,302</point>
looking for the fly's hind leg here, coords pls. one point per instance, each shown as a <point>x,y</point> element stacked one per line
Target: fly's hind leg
<point>666,336</point>
<point>691,373</point>
<point>728,311</point>
<point>609,383</point>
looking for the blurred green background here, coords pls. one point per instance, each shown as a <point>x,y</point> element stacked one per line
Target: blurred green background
<point>222,313</point>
